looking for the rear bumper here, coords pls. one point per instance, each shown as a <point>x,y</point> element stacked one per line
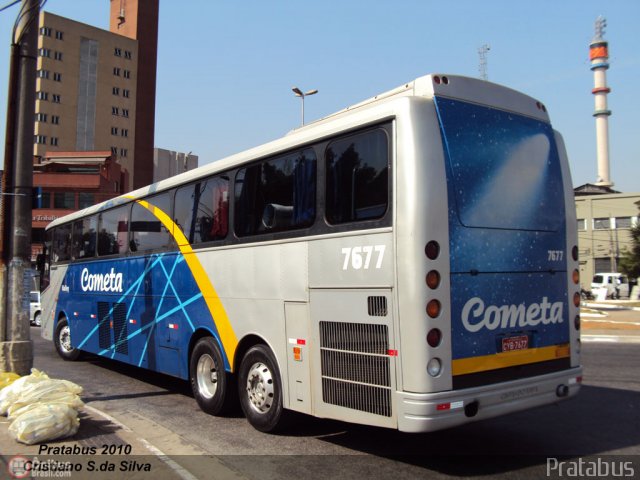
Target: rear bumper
<point>429,412</point>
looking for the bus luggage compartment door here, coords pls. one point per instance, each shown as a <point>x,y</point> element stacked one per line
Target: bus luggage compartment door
<point>353,355</point>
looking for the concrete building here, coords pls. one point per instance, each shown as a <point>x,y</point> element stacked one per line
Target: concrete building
<point>167,163</point>
<point>85,91</point>
<point>71,181</point>
<point>603,231</point>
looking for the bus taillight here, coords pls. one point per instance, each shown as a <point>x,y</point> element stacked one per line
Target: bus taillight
<point>433,279</point>
<point>576,277</point>
<point>432,250</point>
<point>433,308</point>
<point>576,299</point>
<point>434,337</point>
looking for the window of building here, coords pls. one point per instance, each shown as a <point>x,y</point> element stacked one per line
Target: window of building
<point>277,194</point>
<point>115,111</point>
<point>623,222</point>
<point>127,54</point>
<point>113,230</point>
<point>55,98</point>
<point>601,223</point>
<point>45,31</point>
<point>114,150</point>
<point>59,35</point>
<point>123,152</point>
<point>117,52</point>
<point>115,90</point>
<point>202,210</point>
<point>114,130</point>
<point>85,199</point>
<point>65,200</point>
<point>357,177</point>
<point>127,74</point>
<point>124,132</point>
<point>44,52</point>
<point>85,235</point>
<point>582,224</point>
<point>125,93</point>
<point>41,117</point>
<point>43,96</point>
<point>57,55</point>
<point>55,119</point>
<point>43,74</point>
<point>116,71</point>
<point>54,141</point>
<point>40,139</point>
<point>125,112</point>
<point>57,77</point>
<point>147,231</point>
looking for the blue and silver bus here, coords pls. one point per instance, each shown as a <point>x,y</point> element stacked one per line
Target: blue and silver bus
<point>409,262</point>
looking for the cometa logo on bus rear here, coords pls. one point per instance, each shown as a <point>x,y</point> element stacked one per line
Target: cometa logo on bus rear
<point>100,282</point>
<point>476,316</point>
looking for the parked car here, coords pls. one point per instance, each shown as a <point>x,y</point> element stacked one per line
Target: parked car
<point>35,309</point>
<point>617,285</point>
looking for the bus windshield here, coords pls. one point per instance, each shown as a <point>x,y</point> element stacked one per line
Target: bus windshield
<point>501,162</point>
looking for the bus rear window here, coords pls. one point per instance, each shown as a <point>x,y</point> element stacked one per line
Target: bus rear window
<point>504,168</point>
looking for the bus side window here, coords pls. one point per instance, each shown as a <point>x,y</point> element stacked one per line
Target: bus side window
<point>113,228</point>
<point>277,194</point>
<point>84,238</point>
<point>202,210</point>
<point>148,231</point>
<point>357,177</point>
<point>62,243</point>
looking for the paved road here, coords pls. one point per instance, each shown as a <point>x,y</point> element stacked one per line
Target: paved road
<point>603,419</point>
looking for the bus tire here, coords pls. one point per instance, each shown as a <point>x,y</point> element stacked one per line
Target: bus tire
<point>260,390</point>
<point>212,386</point>
<point>62,341</point>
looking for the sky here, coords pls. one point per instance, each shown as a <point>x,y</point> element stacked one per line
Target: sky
<point>226,68</point>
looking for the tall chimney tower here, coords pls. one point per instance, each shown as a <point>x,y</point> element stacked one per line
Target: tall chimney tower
<point>599,56</point>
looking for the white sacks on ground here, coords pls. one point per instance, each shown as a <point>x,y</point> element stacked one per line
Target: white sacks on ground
<point>45,422</point>
<point>46,392</point>
<point>41,408</point>
<point>9,394</point>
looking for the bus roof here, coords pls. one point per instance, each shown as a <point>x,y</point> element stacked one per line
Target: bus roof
<point>428,86</point>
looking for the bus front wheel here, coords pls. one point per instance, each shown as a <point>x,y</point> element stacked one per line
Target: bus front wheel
<point>62,341</point>
<point>260,389</point>
<point>211,384</point>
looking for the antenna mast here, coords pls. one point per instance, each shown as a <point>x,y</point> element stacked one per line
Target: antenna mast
<point>482,67</point>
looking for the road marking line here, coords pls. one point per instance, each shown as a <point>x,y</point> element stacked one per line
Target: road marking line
<point>178,469</point>
<point>611,338</point>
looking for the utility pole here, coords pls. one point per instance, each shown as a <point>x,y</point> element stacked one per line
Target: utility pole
<point>16,347</point>
<point>482,65</point>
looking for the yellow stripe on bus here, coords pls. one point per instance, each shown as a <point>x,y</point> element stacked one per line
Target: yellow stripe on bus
<point>464,366</point>
<point>225,330</point>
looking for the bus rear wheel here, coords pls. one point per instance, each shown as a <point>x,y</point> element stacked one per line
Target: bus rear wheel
<point>62,341</point>
<point>260,390</point>
<point>212,386</point>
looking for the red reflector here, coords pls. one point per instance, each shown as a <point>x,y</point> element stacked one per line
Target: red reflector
<point>443,406</point>
<point>393,353</point>
<point>579,379</point>
<point>301,341</point>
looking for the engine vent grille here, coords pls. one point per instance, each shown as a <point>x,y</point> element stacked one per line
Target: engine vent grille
<point>104,330</point>
<point>355,366</point>
<point>120,331</point>
<point>377,306</point>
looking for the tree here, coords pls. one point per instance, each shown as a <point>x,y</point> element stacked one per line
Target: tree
<point>630,261</point>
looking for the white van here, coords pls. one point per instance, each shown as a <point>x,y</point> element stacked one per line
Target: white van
<point>617,285</point>
<point>35,308</point>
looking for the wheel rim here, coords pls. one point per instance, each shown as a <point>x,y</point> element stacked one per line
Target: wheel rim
<point>37,320</point>
<point>65,338</point>
<point>260,387</point>
<point>207,376</point>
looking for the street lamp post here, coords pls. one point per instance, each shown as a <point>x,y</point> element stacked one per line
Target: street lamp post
<point>299,93</point>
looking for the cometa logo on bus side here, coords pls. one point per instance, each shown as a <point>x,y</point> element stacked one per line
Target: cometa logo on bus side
<point>100,282</point>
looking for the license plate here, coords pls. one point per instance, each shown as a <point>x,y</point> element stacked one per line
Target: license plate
<point>510,344</point>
